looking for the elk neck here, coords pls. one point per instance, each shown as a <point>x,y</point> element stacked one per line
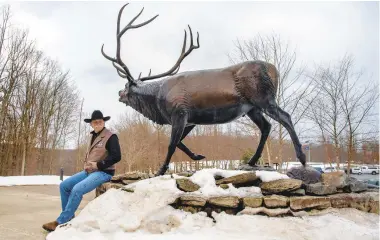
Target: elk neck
<point>144,99</point>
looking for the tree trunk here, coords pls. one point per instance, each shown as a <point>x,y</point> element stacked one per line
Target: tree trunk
<point>23,159</point>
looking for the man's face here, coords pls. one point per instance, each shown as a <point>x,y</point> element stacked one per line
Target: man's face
<point>97,125</point>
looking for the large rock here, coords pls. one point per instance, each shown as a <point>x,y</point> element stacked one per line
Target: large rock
<point>105,186</point>
<point>367,202</point>
<point>354,185</point>
<point>230,201</point>
<point>117,178</point>
<point>306,174</point>
<point>271,212</point>
<point>309,202</point>
<point>301,213</point>
<point>372,187</point>
<point>127,181</point>
<point>252,202</point>
<point>135,176</point>
<point>298,192</point>
<point>130,176</point>
<point>189,200</point>
<point>320,190</point>
<point>346,200</point>
<point>186,185</point>
<point>130,190</point>
<point>191,209</point>
<point>317,212</point>
<point>185,174</point>
<point>210,209</point>
<point>276,201</point>
<point>374,206</point>
<point>335,179</point>
<point>245,179</point>
<point>280,186</point>
<point>218,177</point>
<point>246,167</point>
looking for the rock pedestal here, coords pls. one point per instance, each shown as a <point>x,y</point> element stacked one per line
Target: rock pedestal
<point>291,197</point>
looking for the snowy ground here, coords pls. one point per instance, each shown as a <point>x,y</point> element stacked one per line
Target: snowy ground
<point>145,214</point>
<point>30,180</point>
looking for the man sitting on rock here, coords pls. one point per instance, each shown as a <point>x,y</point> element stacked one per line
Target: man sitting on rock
<point>99,167</point>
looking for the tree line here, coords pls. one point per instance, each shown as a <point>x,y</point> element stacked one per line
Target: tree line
<point>37,103</point>
<point>332,106</point>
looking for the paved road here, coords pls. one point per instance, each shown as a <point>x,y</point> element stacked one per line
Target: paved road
<point>365,176</point>
<point>23,210</point>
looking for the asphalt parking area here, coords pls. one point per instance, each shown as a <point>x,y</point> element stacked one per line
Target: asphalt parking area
<point>23,210</point>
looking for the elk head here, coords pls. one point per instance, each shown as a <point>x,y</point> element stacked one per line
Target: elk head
<point>123,70</point>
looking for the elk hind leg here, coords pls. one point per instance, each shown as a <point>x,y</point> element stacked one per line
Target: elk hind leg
<point>275,112</point>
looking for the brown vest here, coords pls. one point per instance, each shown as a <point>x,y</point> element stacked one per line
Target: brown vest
<point>97,150</point>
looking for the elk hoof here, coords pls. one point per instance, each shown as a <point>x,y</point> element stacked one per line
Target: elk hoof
<point>197,157</point>
<point>302,159</point>
<point>162,171</point>
<point>252,164</point>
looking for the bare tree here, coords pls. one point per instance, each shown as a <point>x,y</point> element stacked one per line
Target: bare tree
<point>135,136</point>
<point>36,102</point>
<point>64,116</point>
<point>325,108</point>
<point>79,136</point>
<point>83,140</point>
<point>27,99</point>
<point>19,51</point>
<point>357,102</point>
<point>342,104</point>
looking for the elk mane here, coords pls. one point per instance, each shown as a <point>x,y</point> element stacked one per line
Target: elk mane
<point>145,103</point>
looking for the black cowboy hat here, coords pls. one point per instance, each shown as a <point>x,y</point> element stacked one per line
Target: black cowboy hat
<point>96,115</point>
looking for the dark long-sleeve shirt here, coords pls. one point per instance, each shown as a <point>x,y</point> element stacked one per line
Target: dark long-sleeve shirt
<point>114,154</point>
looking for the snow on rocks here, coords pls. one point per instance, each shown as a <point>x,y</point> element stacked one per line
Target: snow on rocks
<point>153,209</point>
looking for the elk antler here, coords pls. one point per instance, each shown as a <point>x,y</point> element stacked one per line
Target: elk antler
<point>183,55</point>
<point>122,69</point>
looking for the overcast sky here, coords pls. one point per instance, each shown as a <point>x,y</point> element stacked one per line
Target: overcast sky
<point>73,32</point>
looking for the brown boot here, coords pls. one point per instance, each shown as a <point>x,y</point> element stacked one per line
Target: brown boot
<point>51,226</point>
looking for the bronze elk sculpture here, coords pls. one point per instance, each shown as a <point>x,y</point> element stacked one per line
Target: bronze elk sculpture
<point>204,97</point>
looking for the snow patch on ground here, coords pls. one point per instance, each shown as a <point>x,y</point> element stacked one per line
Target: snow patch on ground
<point>31,180</point>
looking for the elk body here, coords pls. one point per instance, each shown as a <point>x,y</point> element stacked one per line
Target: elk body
<point>204,97</point>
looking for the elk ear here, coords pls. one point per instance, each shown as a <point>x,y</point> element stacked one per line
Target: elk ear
<point>127,85</point>
<point>130,84</point>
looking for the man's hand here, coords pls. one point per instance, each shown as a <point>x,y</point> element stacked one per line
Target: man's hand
<point>90,167</point>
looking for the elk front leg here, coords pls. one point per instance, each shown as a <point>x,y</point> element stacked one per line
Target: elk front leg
<point>189,153</point>
<point>185,149</point>
<point>178,126</point>
<point>264,127</point>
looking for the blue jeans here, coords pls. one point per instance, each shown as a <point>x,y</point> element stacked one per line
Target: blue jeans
<point>73,188</point>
